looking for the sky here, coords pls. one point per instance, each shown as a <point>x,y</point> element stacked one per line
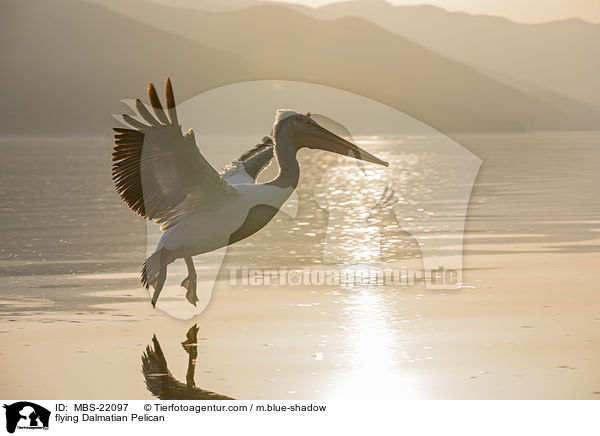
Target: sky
<point>525,11</point>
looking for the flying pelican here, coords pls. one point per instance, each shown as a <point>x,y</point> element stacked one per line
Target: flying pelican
<point>161,175</point>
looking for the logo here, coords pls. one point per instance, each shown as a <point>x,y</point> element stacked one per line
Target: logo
<point>26,415</point>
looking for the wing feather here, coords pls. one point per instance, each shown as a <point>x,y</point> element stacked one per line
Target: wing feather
<point>145,113</point>
<point>133,122</point>
<point>249,165</point>
<point>156,105</point>
<point>171,102</point>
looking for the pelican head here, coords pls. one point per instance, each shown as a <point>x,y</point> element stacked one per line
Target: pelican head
<point>308,133</point>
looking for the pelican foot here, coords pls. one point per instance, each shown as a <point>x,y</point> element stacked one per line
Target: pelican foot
<point>189,283</point>
<point>191,342</point>
<point>155,299</point>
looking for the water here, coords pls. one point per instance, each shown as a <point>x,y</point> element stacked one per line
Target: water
<point>71,252</point>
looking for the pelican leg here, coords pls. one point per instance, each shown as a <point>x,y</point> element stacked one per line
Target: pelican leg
<point>189,282</point>
<point>190,345</point>
<point>162,275</point>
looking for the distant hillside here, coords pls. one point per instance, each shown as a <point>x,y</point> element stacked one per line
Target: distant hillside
<point>562,56</point>
<point>359,56</point>
<point>530,11</point>
<point>66,63</point>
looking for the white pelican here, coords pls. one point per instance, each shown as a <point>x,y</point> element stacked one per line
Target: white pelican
<point>160,173</point>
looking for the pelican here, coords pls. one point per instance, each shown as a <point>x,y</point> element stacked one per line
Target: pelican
<point>160,174</point>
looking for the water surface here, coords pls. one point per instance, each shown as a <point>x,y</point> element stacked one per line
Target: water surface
<point>524,325</point>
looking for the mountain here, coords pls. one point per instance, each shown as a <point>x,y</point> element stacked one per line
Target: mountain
<point>358,56</point>
<point>529,11</point>
<point>66,64</point>
<point>562,56</point>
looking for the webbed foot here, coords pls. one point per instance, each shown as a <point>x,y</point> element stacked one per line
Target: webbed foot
<point>189,283</point>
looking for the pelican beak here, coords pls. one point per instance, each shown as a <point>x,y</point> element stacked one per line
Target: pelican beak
<point>322,139</point>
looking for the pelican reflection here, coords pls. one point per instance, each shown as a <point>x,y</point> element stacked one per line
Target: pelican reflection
<point>161,383</point>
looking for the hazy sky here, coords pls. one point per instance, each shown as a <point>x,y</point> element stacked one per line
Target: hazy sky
<point>532,11</point>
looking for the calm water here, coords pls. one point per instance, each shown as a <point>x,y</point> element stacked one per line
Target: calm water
<point>62,217</point>
<point>70,246</point>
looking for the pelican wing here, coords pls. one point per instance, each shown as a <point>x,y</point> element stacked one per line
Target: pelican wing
<point>158,171</point>
<point>249,165</point>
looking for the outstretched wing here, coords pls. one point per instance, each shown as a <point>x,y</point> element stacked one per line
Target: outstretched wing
<point>249,165</point>
<point>157,170</point>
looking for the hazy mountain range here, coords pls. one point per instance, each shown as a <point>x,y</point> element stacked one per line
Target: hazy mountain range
<point>528,11</point>
<point>563,56</point>
<point>66,64</point>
